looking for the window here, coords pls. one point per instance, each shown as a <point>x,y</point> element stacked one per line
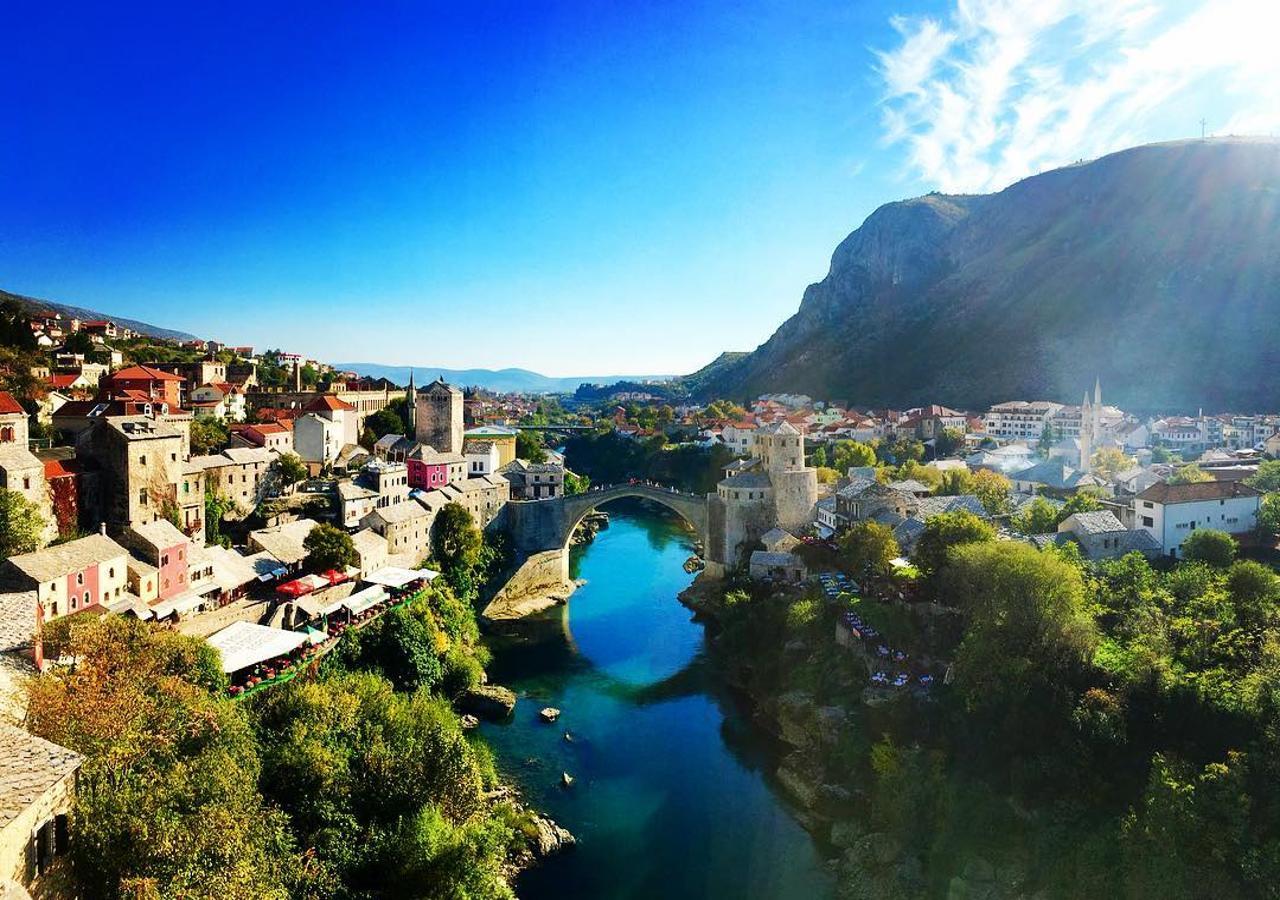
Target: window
<point>79,578</point>
<point>142,497</point>
<point>142,460</point>
<point>1148,522</point>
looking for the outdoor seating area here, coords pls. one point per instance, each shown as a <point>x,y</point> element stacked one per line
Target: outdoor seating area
<point>257,656</point>
<point>900,669</point>
<point>836,583</point>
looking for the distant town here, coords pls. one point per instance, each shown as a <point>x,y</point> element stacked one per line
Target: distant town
<point>197,485</point>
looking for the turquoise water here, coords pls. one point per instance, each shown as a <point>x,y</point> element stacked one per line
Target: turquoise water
<point>670,798</point>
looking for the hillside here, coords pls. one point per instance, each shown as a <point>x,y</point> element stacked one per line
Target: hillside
<point>79,312</point>
<point>501,380</point>
<point>1155,268</point>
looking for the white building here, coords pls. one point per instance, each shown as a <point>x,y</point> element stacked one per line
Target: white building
<point>1019,419</point>
<point>1172,512</point>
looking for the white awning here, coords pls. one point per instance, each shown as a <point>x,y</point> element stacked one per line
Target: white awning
<point>366,599</point>
<point>184,603</point>
<point>396,577</point>
<point>245,644</point>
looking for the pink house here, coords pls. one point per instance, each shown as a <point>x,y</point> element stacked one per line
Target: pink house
<point>429,470</point>
<point>165,547</point>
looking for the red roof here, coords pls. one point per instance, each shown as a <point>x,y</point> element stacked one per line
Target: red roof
<point>327,401</point>
<point>268,428</point>
<point>145,372</point>
<point>9,406</point>
<point>62,381</point>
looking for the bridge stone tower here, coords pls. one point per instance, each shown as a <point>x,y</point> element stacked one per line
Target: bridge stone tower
<point>437,417</point>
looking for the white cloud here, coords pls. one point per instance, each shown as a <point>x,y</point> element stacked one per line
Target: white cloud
<point>1002,89</point>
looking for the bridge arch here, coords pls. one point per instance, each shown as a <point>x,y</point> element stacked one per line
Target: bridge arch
<point>690,507</point>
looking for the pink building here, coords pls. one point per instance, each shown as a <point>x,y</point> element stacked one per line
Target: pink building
<point>429,470</point>
<point>165,547</point>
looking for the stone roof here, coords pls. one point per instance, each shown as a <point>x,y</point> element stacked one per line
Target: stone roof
<point>473,446</point>
<point>748,480</point>
<point>29,766</point>
<point>230,569</point>
<point>62,559</point>
<point>366,541</point>
<point>1203,490</point>
<point>349,490</point>
<point>17,620</point>
<point>1054,474</point>
<point>160,534</point>
<point>246,455</point>
<point>1101,521</point>
<point>140,428</point>
<point>935,506</point>
<point>399,512</point>
<point>778,539</point>
<point>911,486</point>
<point>284,542</point>
<point>767,558</point>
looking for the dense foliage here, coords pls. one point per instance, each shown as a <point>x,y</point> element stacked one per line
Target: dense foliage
<point>354,783</point>
<point>610,458</point>
<point>1109,730</point>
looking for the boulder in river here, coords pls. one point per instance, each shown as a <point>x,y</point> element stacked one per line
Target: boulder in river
<point>566,780</point>
<point>469,721</point>
<point>549,838</point>
<point>488,701</point>
<point>549,714</point>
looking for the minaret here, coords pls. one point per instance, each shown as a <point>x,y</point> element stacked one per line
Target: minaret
<point>1086,434</point>
<point>411,400</point>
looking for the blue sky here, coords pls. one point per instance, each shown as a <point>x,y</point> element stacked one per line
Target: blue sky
<point>584,188</point>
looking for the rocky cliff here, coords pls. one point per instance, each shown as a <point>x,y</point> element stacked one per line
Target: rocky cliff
<point>1156,268</point>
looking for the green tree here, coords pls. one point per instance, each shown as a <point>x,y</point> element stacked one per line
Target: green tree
<point>819,458</point>
<point>1269,515</point>
<point>1028,632</point>
<point>208,436</point>
<point>1208,545</point>
<point>1255,592</point>
<point>1108,462</point>
<point>1160,455</point>
<point>455,539</point>
<point>1189,474</point>
<point>1079,502</point>
<point>946,531</point>
<point>529,447</point>
<point>21,525</point>
<point>328,548</point>
<point>1047,440</point>
<point>954,482</point>
<point>291,468</point>
<point>140,704</point>
<point>992,489</point>
<point>851,454</point>
<point>948,442</point>
<point>1267,478</point>
<point>388,420</point>
<point>868,547</point>
<point>1037,517</point>
<point>575,483</point>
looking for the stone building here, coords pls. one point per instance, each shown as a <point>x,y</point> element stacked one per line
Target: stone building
<point>437,417</point>
<point>772,488</point>
<point>140,463</point>
<point>37,789</point>
<point>20,470</point>
<point>405,526</point>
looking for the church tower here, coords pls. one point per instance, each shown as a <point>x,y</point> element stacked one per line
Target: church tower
<point>438,417</point>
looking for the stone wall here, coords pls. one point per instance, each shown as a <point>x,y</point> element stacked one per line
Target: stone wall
<point>17,839</point>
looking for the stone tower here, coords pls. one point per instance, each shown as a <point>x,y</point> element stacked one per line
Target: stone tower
<point>437,417</point>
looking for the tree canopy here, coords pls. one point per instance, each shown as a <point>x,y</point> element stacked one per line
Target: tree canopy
<point>943,532</point>
<point>329,547</point>
<point>1208,545</point>
<point>21,524</point>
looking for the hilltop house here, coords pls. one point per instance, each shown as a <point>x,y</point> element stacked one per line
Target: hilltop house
<point>1171,512</point>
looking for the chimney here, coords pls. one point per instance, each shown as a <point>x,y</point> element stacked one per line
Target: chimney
<point>102,528</point>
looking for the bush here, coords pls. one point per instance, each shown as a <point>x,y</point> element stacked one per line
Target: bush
<point>1207,545</point>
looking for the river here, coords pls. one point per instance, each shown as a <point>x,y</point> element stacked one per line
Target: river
<point>670,798</point>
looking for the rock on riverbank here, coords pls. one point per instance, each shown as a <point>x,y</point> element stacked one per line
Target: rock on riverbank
<point>489,701</point>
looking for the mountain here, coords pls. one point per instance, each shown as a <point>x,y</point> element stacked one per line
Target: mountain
<point>79,312</point>
<point>1156,269</point>
<point>501,380</point>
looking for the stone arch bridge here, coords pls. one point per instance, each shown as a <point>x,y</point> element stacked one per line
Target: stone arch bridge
<point>540,531</point>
